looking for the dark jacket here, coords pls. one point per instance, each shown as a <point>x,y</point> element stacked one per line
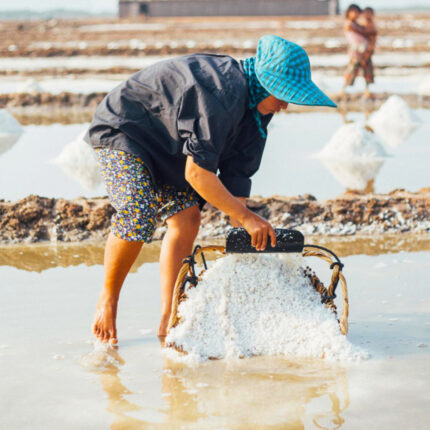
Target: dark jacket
<point>192,105</point>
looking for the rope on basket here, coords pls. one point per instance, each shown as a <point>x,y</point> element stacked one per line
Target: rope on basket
<point>329,294</point>
<point>187,275</point>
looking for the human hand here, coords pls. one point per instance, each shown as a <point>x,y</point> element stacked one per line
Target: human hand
<point>259,229</point>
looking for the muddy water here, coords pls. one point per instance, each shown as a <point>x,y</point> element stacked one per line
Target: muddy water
<point>50,380</point>
<point>44,256</point>
<point>287,167</point>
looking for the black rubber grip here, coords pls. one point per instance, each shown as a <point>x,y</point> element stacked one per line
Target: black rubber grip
<point>239,241</point>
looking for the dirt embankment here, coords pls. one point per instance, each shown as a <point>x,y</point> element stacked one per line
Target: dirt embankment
<point>177,36</point>
<point>75,100</point>
<point>37,219</point>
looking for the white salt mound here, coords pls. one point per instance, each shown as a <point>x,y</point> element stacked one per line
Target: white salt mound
<point>79,161</point>
<point>424,87</point>
<point>10,131</point>
<point>30,86</point>
<point>248,305</point>
<point>394,121</point>
<point>354,156</point>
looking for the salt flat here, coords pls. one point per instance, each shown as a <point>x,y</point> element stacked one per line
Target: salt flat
<point>45,329</point>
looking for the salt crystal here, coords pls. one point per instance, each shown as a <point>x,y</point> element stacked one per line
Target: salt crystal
<point>353,155</point>
<point>394,121</point>
<point>190,44</point>
<point>247,305</point>
<point>78,161</point>
<point>104,355</point>
<point>10,131</point>
<point>30,86</point>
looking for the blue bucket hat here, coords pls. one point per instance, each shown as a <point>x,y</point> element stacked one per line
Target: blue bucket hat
<point>283,69</point>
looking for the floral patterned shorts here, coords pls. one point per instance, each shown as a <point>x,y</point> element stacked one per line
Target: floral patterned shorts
<point>131,192</point>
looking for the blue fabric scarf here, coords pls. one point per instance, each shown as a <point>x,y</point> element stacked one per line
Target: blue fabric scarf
<point>256,91</point>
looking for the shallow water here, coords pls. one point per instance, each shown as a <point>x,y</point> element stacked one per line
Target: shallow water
<point>26,168</point>
<point>44,256</point>
<point>287,167</point>
<point>45,323</point>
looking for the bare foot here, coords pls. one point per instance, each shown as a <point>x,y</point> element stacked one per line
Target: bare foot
<point>104,325</point>
<point>164,323</point>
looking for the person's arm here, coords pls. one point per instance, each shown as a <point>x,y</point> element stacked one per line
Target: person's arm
<point>210,187</point>
<point>356,28</point>
<point>233,221</point>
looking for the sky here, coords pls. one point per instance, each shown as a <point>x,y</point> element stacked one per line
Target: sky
<point>109,6</point>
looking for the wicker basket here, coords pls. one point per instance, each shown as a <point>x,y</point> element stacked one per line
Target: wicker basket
<point>187,275</point>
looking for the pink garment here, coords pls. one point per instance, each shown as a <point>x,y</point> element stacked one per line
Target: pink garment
<point>357,43</point>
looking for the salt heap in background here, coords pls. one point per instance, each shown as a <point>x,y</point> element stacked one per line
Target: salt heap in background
<point>424,87</point>
<point>78,161</point>
<point>353,155</point>
<point>30,86</point>
<point>247,305</point>
<point>394,121</point>
<point>10,131</point>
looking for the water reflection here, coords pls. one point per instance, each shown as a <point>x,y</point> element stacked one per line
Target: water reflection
<point>40,257</point>
<point>10,131</point>
<point>287,167</point>
<point>257,393</point>
<point>354,156</point>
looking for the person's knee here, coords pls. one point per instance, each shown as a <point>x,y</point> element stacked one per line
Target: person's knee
<point>186,222</point>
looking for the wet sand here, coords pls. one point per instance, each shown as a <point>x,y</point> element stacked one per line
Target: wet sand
<point>49,371</point>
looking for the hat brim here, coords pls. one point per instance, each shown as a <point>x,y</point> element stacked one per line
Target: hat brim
<point>298,92</point>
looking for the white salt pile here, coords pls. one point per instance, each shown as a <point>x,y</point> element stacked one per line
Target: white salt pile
<point>353,155</point>
<point>79,161</point>
<point>247,305</point>
<point>424,87</point>
<point>30,86</point>
<point>394,121</point>
<point>10,131</point>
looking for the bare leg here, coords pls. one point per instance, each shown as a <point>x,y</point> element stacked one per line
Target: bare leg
<point>367,92</point>
<point>119,256</point>
<point>343,90</point>
<point>182,229</point>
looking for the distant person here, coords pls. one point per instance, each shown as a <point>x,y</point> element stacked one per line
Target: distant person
<point>162,137</point>
<point>360,32</point>
<point>367,21</point>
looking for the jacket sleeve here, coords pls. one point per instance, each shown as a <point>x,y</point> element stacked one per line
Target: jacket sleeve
<point>204,125</point>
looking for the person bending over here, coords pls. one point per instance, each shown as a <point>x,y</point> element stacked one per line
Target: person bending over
<point>182,132</point>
